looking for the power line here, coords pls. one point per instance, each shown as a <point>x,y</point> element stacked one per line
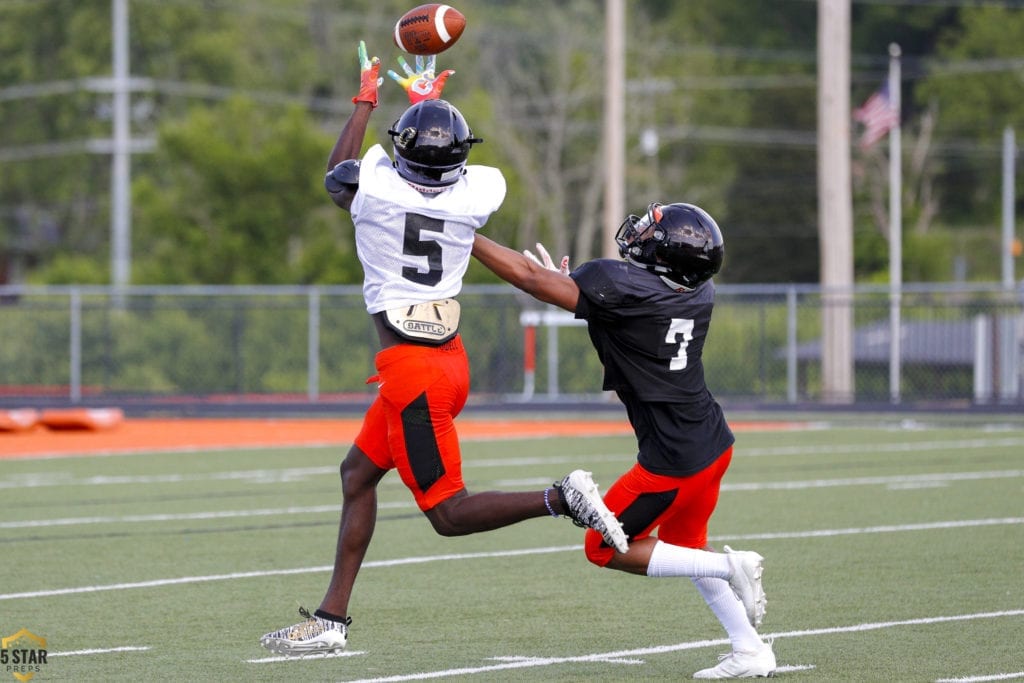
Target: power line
<point>136,84</point>
<point>68,148</point>
<point>1004,4</point>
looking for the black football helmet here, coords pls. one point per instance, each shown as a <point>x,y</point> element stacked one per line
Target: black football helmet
<point>680,241</point>
<point>432,142</point>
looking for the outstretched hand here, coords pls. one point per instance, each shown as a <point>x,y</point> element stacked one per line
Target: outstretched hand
<point>369,77</point>
<point>421,83</point>
<point>545,260</point>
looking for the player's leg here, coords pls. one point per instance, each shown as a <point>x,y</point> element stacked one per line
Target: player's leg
<point>750,656</point>
<point>423,390</point>
<point>683,531</point>
<point>359,479</point>
<point>428,456</point>
<point>431,446</point>
<point>326,630</point>
<point>575,496</point>
<point>680,508</point>
<point>470,513</point>
<point>730,582</point>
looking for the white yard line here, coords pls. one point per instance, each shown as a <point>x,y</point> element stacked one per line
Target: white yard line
<point>979,679</point>
<point>891,447</point>
<point>184,516</point>
<point>282,658</point>
<point>98,651</point>
<point>156,583</point>
<point>261,476</point>
<point>629,657</point>
<point>271,476</point>
<point>893,482</point>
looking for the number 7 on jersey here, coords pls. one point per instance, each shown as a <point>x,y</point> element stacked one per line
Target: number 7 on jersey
<point>680,331</point>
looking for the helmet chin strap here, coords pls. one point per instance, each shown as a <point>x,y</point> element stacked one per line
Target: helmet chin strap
<point>426,190</point>
<point>675,285</point>
<point>655,268</point>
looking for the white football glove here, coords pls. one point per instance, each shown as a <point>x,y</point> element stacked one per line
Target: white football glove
<point>545,260</point>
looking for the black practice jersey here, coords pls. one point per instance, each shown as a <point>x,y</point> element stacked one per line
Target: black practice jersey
<point>650,339</point>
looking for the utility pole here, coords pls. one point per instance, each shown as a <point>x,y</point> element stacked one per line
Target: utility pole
<point>120,181</point>
<point>895,227</point>
<point>1009,240</point>
<point>614,124</point>
<point>835,200</point>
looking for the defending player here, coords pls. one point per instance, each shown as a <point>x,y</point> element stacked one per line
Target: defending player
<point>415,217</point>
<point>648,318</point>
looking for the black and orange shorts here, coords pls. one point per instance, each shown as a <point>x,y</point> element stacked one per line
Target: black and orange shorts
<point>677,507</point>
<point>410,426</point>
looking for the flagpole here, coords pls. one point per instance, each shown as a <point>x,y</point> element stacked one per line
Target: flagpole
<point>895,226</point>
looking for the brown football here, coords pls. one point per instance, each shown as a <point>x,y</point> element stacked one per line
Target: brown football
<point>429,29</point>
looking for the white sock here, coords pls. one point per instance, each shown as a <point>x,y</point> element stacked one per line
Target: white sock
<point>674,560</point>
<point>730,612</point>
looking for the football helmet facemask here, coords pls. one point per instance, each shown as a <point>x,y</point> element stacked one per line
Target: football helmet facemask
<point>431,143</point>
<point>678,241</point>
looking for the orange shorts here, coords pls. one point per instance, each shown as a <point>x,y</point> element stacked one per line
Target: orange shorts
<point>410,425</point>
<point>678,507</point>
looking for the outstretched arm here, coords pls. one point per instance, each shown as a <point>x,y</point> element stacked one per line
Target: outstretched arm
<point>350,141</point>
<point>548,285</point>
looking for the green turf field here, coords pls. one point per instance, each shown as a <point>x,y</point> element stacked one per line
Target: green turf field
<point>892,554</point>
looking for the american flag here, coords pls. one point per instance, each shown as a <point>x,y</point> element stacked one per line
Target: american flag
<point>878,115</point>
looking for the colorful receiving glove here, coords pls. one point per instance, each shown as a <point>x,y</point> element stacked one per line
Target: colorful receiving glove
<point>545,260</point>
<point>369,77</point>
<point>421,84</point>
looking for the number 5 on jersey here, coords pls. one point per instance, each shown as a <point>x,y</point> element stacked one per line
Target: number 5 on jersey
<point>415,244</point>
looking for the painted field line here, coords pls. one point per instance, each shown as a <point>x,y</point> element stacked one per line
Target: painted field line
<point>628,656</point>
<point>895,481</point>
<point>882,529</point>
<point>282,658</point>
<point>156,583</point>
<point>807,449</point>
<point>98,651</point>
<point>899,481</point>
<point>891,447</point>
<point>290,475</point>
<point>185,580</point>
<point>979,679</point>
<point>185,516</point>
<point>609,660</point>
<point>261,476</point>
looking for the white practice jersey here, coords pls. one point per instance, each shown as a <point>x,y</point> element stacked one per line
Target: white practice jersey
<point>416,247</point>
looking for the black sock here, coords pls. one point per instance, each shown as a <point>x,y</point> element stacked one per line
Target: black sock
<point>563,501</point>
<point>332,617</point>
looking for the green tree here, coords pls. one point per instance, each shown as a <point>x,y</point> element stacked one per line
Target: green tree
<point>243,101</point>
<point>237,204</point>
<point>51,189</point>
<point>975,85</point>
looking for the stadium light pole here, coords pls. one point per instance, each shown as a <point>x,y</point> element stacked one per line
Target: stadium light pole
<point>614,124</point>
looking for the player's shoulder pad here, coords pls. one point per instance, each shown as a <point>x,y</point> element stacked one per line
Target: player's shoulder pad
<point>344,174</point>
<point>602,280</point>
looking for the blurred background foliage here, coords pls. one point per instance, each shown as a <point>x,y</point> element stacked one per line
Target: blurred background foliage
<point>240,102</point>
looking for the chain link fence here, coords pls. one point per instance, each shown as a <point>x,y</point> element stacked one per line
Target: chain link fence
<point>193,348</point>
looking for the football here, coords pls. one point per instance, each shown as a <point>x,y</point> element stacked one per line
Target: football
<point>429,29</point>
